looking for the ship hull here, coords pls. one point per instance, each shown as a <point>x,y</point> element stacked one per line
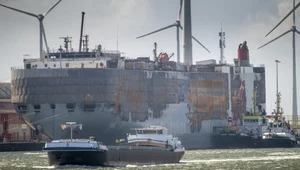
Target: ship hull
<point>239,142</point>
<point>115,156</point>
<point>109,102</point>
<point>124,155</point>
<point>90,158</point>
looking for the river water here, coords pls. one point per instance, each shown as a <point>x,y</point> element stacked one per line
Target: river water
<point>230,159</point>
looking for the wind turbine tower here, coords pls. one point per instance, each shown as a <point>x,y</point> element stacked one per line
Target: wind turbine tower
<point>294,31</point>
<point>177,24</point>
<point>187,33</point>
<point>40,17</point>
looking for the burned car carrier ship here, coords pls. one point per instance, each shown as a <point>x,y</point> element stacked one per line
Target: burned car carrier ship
<point>110,94</point>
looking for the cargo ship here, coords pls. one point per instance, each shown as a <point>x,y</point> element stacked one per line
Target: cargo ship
<point>111,94</point>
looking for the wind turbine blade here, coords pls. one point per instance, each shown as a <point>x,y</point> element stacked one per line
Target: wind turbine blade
<point>275,39</point>
<point>47,12</point>
<point>284,18</point>
<point>45,39</point>
<point>24,12</point>
<point>180,27</point>
<point>157,31</point>
<point>297,31</point>
<point>200,44</point>
<point>180,9</point>
<point>196,40</point>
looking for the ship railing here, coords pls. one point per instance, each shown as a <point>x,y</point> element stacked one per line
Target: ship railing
<point>257,65</point>
<point>76,59</point>
<point>294,120</point>
<point>111,147</point>
<point>17,68</point>
<point>112,52</point>
<point>94,50</point>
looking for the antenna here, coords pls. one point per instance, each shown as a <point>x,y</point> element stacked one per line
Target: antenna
<point>222,45</point>
<point>117,38</point>
<point>40,17</point>
<point>178,26</point>
<point>155,51</point>
<point>86,43</point>
<point>67,40</point>
<point>277,92</point>
<point>71,125</point>
<point>255,95</point>
<point>294,31</point>
<point>60,51</point>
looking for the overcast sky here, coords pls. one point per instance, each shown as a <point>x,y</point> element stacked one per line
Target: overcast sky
<point>242,20</point>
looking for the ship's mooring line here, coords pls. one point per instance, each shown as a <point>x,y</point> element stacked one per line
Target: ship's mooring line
<point>56,117</point>
<point>21,116</point>
<point>49,118</point>
<point>15,118</point>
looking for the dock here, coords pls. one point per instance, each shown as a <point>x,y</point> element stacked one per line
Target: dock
<point>21,146</point>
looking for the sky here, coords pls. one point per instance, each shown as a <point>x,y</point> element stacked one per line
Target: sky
<point>105,19</point>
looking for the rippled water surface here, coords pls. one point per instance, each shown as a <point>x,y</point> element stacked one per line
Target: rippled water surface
<point>201,159</point>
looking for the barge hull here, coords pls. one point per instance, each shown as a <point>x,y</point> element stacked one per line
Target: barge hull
<point>92,158</point>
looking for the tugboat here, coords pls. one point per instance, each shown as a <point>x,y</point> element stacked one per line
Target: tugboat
<point>244,135</point>
<point>76,151</point>
<point>269,130</point>
<point>278,132</point>
<point>258,130</point>
<point>150,145</point>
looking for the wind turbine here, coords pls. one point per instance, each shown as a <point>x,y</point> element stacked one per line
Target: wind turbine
<point>294,31</point>
<point>40,17</point>
<point>178,26</point>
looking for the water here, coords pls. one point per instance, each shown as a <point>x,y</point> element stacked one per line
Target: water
<point>200,159</point>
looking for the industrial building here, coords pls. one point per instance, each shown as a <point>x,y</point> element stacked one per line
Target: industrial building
<point>12,127</point>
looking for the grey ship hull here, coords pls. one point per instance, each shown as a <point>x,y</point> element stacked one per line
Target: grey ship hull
<point>124,99</point>
<point>238,142</point>
<point>90,158</point>
<point>139,155</point>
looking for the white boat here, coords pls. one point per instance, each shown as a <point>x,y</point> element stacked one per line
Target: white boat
<point>150,145</point>
<point>155,136</point>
